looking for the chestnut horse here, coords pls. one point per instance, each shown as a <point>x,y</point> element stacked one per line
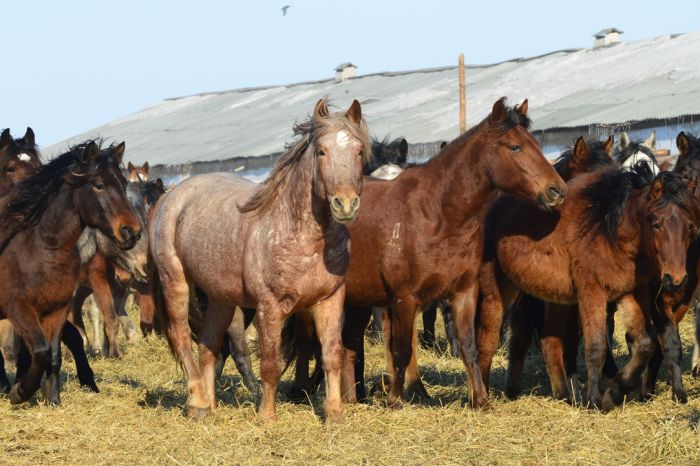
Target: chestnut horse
<point>616,231</point>
<point>44,216</point>
<point>527,314</point>
<point>281,247</point>
<point>419,239</point>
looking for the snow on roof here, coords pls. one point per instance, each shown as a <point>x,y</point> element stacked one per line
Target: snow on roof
<point>657,78</point>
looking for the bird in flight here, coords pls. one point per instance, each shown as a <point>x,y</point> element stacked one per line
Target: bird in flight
<point>284,9</point>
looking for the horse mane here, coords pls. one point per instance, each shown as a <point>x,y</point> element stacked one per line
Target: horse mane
<point>383,152</point>
<point>597,157</point>
<point>31,197</point>
<point>308,132</point>
<point>621,155</point>
<point>607,197</point>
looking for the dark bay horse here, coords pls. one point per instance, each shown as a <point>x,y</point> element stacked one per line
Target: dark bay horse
<point>616,232</point>
<point>44,216</point>
<point>527,314</point>
<point>18,159</point>
<point>281,247</point>
<point>419,239</point>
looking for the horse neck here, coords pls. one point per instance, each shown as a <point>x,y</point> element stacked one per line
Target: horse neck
<point>60,226</point>
<point>460,179</point>
<point>629,238</point>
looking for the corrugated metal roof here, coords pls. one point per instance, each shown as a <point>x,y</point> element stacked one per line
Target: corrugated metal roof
<point>657,78</point>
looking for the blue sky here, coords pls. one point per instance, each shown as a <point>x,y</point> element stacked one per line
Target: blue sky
<point>74,65</point>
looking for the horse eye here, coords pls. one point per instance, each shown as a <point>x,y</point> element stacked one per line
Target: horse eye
<point>10,169</point>
<point>515,148</point>
<point>657,226</point>
<point>320,153</point>
<point>99,186</point>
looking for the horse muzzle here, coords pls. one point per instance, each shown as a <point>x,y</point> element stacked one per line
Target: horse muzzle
<point>671,285</point>
<point>129,237</point>
<point>344,208</point>
<point>552,197</point>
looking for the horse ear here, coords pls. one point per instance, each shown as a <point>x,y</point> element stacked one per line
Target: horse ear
<point>657,189</point>
<point>499,111</point>
<point>683,144</point>
<point>145,167</point>
<point>650,142</point>
<point>159,185</point>
<point>130,166</point>
<point>5,137</point>
<point>443,144</point>
<point>118,152</point>
<point>29,137</point>
<point>580,152</point>
<point>624,140</point>
<point>321,109</point>
<point>354,113</point>
<point>609,144</point>
<point>403,148</point>
<point>522,108</point>
<point>89,153</point>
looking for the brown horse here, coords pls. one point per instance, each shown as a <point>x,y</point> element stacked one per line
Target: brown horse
<point>419,239</point>
<point>41,223</point>
<point>136,173</point>
<point>282,247</point>
<point>18,159</point>
<point>527,315</point>
<point>616,231</point>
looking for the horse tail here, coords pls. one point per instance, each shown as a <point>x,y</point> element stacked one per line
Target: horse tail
<point>160,313</point>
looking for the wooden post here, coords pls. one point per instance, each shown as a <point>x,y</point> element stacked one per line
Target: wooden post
<point>462,97</point>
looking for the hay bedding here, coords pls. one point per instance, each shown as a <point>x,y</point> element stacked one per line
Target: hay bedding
<point>137,419</point>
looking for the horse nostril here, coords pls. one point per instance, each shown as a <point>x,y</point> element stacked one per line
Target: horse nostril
<point>355,203</point>
<point>554,192</point>
<point>127,233</point>
<point>337,203</point>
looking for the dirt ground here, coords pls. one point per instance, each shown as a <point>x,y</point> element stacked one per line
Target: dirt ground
<point>137,418</point>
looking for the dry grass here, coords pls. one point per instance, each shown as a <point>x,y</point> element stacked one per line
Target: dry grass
<point>137,419</point>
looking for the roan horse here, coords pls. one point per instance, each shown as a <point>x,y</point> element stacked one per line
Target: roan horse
<point>616,231</point>
<point>44,216</point>
<point>281,247</point>
<point>419,239</point>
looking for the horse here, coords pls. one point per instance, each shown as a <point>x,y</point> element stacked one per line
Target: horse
<point>389,158</point>
<point>528,314</point>
<point>418,239</point>
<point>287,249</point>
<point>614,234</point>
<point>136,173</point>
<point>18,159</point>
<point>109,273</point>
<point>629,152</point>
<point>41,223</point>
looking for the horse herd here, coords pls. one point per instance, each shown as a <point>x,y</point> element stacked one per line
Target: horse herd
<point>486,225</point>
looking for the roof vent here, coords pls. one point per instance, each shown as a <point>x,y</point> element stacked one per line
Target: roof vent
<point>606,37</point>
<point>345,71</point>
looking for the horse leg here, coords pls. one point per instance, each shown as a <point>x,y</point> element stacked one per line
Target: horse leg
<point>144,300</point>
<point>102,292</point>
<point>635,315</point>
<point>328,318</point>
<point>26,323</point>
<point>696,349</point>
<point>523,314</point>
<point>464,304</point>
<point>124,299</point>
<point>403,317</point>
<point>176,293</point>
<point>556,321</point>
<point>450,330</point>
<point>217,319</point>
<point>9,350</point>
<point>591,310</point>
<point>670,344</point>
<point>572,340</point>
<point>76,315</point>
<point>650,375</point>
<point>72,339</point>
<point>383,385</point>
<point>53,328</point>
<point>240,351</point>
<point>429,318</point>
<point>414,384</point>
<point>610,368</point>
<point>352,377</point>
<point>270,340</point>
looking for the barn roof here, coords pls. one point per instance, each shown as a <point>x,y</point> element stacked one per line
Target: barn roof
<point>652,79</point>
<point>604,32</point>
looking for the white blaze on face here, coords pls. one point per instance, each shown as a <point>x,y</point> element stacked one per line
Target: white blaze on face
<point>141,177</point>
<point>24,157</point>
<point>342,138</point>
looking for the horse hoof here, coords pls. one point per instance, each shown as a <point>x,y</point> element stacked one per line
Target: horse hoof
<point>198,413</point>
<point>267,418</point>
<point>16,395</point>
<point>335,417</point>
<point>417,389</point>
<point>394,403</point>
<point>611,399</point>
<point>680,397</point>
<point>90,386</point>
<point>5,388</point>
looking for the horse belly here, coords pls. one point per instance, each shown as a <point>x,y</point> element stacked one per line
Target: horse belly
<point>541,270</point>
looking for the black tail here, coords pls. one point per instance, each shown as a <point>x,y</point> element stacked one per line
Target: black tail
<point>161,311</point>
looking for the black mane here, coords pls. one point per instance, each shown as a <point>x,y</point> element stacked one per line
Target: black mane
<point>385,152</point>
<point>608,196</point>
<point>621,155</point>
<point>597,157</point>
